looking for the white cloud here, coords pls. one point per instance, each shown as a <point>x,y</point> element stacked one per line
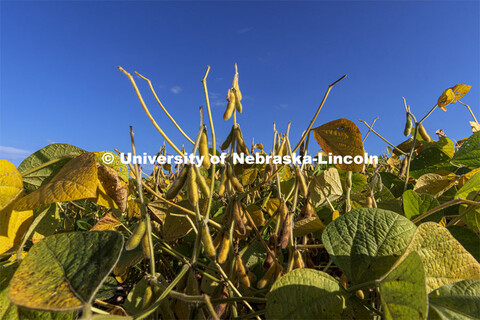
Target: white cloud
<point>51,141</point>
<point>176,89</point>
<point>244,30</point>
<point>12,153</point>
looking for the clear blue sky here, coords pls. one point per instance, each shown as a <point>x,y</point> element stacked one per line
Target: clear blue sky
<point>60,83</point>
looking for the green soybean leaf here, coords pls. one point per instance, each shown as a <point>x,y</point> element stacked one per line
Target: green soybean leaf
<point>365,243</point>
<point>38,168</point>
<point>444,259</point>
<point>403,292</point>
<point>429,160</point>
<point>469,191</point>
<point>455,301</point>
<point>469,153</point>
<point>468,239</point>
<point>393,183</point>
<point>64,271</point>
<point>446,145</point>
<point>415,205</point>
<point>305,294</point>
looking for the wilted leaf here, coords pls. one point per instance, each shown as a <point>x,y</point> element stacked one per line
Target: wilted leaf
<point>469,153</point>
<point>435,184</point>
<point>341,137</point>
<point>115,164</point>
<point>447,97</point>
<point>460,300</point>
<point>114,186</point>
<point>403,291</point>
<point>475,126</point>
<point>460,90</point>
<point>107,222</point>
<point>38,168</point>
<point>444,259</point>
<point>309,225</point>
<point>158,207</point>
<point>305,294</point>
<point>464,178</point>
<point>177,225</point>
<point>64,271</point>
<point>365,243</point>
<point>325,186</point>
<point>10,183</point>
<point>415,205</point>
<point>76,180</point>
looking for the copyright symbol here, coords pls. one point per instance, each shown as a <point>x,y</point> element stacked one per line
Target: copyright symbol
<point>107,158</point>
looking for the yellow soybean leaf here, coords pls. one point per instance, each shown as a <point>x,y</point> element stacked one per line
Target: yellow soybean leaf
<point>444,258</point>
<point>76,180</point>
<point>10,183</point>
<point>341,137</point>
<point>435,184</point>
<point>447,97</point>
<point>13,225</point>
<point>460,90</point>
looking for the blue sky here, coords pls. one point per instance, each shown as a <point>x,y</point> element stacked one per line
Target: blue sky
<point>60,83</point>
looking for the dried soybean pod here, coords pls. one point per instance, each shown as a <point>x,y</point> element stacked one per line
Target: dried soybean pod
<point>224,248</point>
<point>233,180</point>
<point>207,241</point>
<point>271,245</point>
<point>218,239</point>
<point>192,190</point>
<point>223,182</point>
<point>240,141</point>
<point>262,283</point>
<point>251,276</point>
<point>202,183</point>
<point>237,215</point>
<point>281,151</point>
<point>423,133</point>
<point>230,106</point>
<point>177,184</point>
<point>301,182</point>
<point>136,236</point>
<point>298,260</point>
<point>408,125</point>
<point>307,210</point>
<point>282,211</point>
<point>145,246</point>
<point>286,231</point>
<point>241,272</point>
<point>229,139</point>
<point>267,172</point>
<point>203,149</point>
